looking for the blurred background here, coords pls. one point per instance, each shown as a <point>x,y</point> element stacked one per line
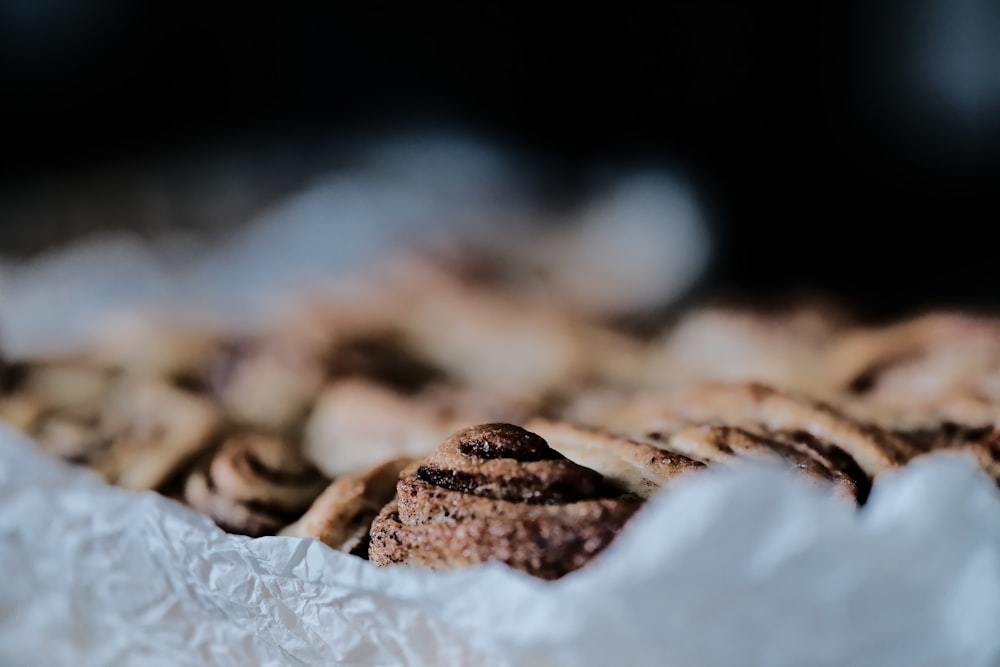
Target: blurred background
<point>849,148</point>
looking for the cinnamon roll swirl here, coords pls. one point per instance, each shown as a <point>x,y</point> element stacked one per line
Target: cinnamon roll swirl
<point>499,493</point>
<point>253,485</point>
<point>717,421</point>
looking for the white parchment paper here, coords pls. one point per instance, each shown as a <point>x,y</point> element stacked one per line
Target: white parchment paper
<point>736,567</point>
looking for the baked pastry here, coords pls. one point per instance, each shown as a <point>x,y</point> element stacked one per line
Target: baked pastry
<point>147,344</point>
<point>783,349</point>
<point>71,386</point>
<point>254,484</point>
<point>357,423</point>
<point>499,493</point>
<point>72,439</point>
<point>630,466</point>
<point>269,381</point>
<point>715,421</point>
<point>982,442</point>
<point>494,344</point>
<point>58,403</point>
<point>153,429</point>
<point>373,374</point>
<point>920,363</point>
<point>342,515</point>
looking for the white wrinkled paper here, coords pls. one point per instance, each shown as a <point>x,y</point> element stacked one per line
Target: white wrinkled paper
<point>746,566</point>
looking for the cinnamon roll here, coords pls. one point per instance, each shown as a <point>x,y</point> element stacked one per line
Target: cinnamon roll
<point>982,442</point>
<point>268,382</point>
<point>146,344</point>
<point>499,493</point>
<point>783,349</point>
<point>918,363</point>
<point>495,344</point>
<point>717,421</point>
<point>71,386</point>
<point>58,403</point>
<point>153,429</point>
<point>341,517</point>
<point>253,485</point>
<point>74,440</point>
<point>949,425</point>
<point>357,423</point>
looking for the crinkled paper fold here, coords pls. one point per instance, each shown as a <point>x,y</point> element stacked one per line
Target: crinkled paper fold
<point>743,566</point>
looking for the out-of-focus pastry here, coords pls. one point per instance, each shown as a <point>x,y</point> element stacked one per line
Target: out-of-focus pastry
<point>153,429</point>
<point>268,382</point>
<point>499,493</point>
<point>342,515</point>
<point>381,357</point>
<point>148,345</point>
<point>495,344</point>
<point>357,423</point>
<point>782,349</point>
<point>73,439</point>
<point>920,362</point>
<point>58,403</point>
<point>71,386</point>
<point>254,484</point>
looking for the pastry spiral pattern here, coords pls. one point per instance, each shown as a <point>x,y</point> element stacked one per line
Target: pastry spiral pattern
<point>254,485</point>
<point>499,493</point>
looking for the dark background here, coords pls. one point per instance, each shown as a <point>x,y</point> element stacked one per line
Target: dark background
<point>837,147</point>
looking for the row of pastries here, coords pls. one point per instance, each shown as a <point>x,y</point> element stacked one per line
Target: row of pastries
<point>448,411</point>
